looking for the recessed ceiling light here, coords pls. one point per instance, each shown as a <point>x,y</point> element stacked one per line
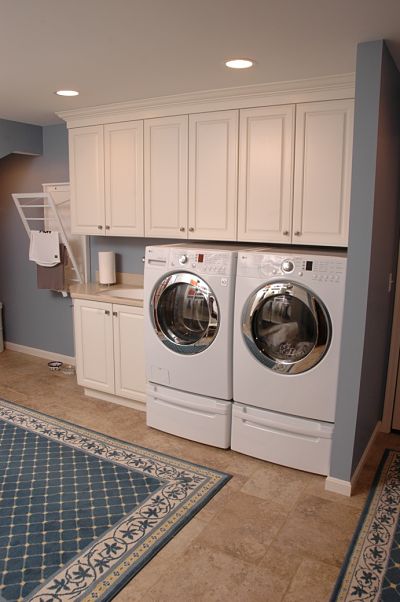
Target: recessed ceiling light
<point>239,63</point>
<point>67,93</point>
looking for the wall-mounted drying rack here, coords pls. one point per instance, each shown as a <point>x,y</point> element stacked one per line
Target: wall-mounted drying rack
<point>38,211</point>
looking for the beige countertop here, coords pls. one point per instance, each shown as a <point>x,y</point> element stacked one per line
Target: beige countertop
<point>101,292</point>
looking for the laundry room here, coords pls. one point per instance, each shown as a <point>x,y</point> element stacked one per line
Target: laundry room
<point>199,309</point>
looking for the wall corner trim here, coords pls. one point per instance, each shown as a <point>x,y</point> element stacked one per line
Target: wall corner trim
<point>347,487</point>
<point>68,359</point>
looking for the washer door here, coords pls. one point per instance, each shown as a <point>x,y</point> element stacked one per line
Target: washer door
<point>286,327</point>
<point>185,313</point>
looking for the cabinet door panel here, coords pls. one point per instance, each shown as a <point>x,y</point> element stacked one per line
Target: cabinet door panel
<point>165,149</point>
<point>266,174</point>
<point>130,380</point>
<point>86,164</point>
<point>213,144</point>
<point>94,345</point>
<point>324,136</point>
<point>123,145</point>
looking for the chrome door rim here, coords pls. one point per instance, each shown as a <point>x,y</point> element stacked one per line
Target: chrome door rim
<point>178,345</point>
<point>314,304</point>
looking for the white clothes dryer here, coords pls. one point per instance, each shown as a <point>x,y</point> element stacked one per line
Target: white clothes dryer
<point>189,303</point>
<point>287,332</point>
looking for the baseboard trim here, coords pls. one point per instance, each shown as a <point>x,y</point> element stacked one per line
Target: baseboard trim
<point>338,486</point>
<point>49,355</point>
<point>347,487</point>
<point>134,404</point>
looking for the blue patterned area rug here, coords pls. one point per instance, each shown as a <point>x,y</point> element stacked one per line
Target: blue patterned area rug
<point>82,513</point>
<point>371,570</point>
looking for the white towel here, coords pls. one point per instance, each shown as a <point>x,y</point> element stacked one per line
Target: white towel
<point>44,248</point>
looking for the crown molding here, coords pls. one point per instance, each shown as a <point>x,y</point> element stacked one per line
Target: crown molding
<point>305,90</point>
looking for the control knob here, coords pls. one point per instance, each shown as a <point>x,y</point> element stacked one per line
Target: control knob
<point>287,266</point>
<point>183,259</point>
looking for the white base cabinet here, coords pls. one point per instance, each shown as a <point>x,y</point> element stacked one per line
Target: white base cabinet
<point>109,348</point>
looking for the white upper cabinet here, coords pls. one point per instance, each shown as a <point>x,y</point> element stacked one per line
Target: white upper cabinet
<point>166,176</point>
<point>213,160</point>
<point>86,164</point>
<point>265,174</point>
<point>123,146</point>
<point>322,179</point>
<point>106,172</point>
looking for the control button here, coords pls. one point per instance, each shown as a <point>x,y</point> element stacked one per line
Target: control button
<point>300,273</point>
<point>183,259</point>
<point>314,276</point>
<point>274,271</point>
<point>287,265</point>
<point>193,265</point>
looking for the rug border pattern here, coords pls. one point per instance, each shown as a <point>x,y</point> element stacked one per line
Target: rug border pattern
<point>363,570</point>
<point>185,488</point>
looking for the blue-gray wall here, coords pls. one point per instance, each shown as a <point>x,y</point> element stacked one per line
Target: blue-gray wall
<point>372,255</point>
<point>32,317</point>
<point>22,138</point>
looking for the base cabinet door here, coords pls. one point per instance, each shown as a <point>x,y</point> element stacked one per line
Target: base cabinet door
<point>94,345</point>
<point>130,380</point>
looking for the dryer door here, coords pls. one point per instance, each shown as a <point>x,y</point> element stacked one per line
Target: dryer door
<point>185,313</point>
<point>286,327</point>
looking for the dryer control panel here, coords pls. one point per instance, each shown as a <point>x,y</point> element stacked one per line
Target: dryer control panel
<point>323,268</point>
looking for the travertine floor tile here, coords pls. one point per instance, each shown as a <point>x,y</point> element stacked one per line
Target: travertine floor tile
<point>313,581</point>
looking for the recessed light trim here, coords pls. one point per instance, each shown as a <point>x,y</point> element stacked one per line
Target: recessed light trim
<point>67,93</point>
<point>239,63</point>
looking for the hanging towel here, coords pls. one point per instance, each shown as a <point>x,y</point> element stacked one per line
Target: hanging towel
<point>44,248</point>
<point>53,277</point>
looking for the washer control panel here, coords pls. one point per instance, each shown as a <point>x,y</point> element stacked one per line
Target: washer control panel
<point>207,262</point>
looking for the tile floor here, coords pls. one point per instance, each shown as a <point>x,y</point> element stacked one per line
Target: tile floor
<point>272,534</point>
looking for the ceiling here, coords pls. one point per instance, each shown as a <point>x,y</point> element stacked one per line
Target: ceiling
<point>119,50</point>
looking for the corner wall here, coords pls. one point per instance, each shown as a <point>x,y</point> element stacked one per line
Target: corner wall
<point>372,256</point>
<point>31,317</point>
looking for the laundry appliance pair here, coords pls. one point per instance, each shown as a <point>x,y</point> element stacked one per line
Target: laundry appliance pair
<point>242,348</point>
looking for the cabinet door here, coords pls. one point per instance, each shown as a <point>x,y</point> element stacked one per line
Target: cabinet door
<point>324,139</point>
<point>165,160</point>
<point>93,329</point>
<point>123,148</point>
<point>213,160</point>
<point>130,380</point>
<point>86,166</point>
<point>266,174</point>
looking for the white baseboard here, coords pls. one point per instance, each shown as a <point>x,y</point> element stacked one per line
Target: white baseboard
<point>134,404</point>
<point>49,355</point>
<point>346,487</point>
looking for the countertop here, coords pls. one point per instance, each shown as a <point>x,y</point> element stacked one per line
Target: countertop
<point>100,292</point>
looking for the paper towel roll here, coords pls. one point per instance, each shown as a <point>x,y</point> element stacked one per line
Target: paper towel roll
<point>107,267</point>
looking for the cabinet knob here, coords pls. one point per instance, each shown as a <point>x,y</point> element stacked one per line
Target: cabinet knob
<point>285,233</point>
<point>181,229</point>
<point>106,311</point>
<point>115,314</point>
<point>191,229</point>
<point>297,233</point>
<point>99,227</point>
<point>107,227</point>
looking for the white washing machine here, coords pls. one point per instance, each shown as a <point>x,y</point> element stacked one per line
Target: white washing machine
<point>287,325</point>
<point>189,303</point>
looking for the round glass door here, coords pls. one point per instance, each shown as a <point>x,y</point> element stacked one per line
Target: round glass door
<point>286,327</point>
<point>185,313</point>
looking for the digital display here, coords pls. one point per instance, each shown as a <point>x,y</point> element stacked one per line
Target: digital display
<point>309,265</point>
<point>200,257</point>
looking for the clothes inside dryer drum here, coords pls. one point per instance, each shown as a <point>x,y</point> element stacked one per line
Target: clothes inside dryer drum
<point>284,328</point>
